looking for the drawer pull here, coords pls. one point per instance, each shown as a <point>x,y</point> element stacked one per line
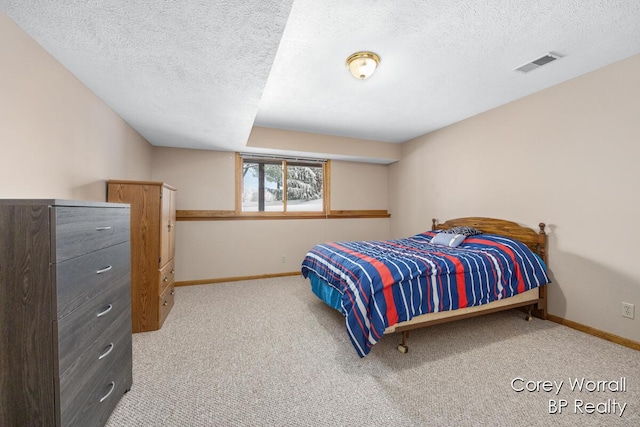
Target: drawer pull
<point>105,311</point>
<point>165,303</point>
<point>113,386</point>
<point>173,272</point>
<point>173,292</point>
<point>166,279</point>
<point>106,353</point>
<point>103,228</point>
<point>104,270</point>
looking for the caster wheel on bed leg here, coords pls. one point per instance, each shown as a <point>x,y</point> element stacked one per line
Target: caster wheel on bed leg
<point>529,316</point>
<point>403,349</point>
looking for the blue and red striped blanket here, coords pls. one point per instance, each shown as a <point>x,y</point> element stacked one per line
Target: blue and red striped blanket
<point>386,282</point>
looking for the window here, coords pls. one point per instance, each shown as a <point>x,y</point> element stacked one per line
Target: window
<point>270,184</point>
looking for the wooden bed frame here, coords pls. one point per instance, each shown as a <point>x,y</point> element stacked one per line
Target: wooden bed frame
<point>535,299</point>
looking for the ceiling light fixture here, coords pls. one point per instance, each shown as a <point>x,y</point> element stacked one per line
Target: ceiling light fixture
<point>363,64</point>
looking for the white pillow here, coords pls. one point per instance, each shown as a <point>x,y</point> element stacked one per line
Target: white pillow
<point>445,239</point>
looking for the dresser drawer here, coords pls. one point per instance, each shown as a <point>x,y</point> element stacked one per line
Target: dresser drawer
<point>80,230</point>
<point>77,330</point>
<point>94,408</point>
<point>167,274</point>
<point>166,302</point>
<point>80,279</point>
<point>98,359</point>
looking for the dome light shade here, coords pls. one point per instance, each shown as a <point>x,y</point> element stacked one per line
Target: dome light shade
<point>363,64</point>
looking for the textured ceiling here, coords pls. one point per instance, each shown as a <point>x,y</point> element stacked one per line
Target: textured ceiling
<point>441,60</point>
<point>200,74</point>
<point>182,73</point>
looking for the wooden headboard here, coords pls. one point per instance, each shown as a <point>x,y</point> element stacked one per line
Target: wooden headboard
<point>536,241</point>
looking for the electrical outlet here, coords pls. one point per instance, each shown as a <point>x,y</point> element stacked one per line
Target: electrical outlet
<point>283,259</point>
<point>628,310</point>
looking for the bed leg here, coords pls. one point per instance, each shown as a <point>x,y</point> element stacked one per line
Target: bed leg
<point>403,348</point>
<point>529,316</point>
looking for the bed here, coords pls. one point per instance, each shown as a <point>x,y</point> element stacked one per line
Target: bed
<point>383,287</point>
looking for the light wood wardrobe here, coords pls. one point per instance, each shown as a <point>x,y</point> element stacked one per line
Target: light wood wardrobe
<point>153,218</point>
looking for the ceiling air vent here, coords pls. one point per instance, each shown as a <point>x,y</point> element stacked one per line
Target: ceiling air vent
<point>538,62</point>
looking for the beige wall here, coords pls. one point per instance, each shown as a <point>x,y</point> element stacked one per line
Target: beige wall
<point>357,186</point>
<point>312,144</point>
<point>205,179</point>
<point>220,249</point>
<point>58,139</point>
<point>567,156</point>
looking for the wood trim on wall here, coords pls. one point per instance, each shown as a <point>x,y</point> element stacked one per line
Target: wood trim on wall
<point>326,176</point>
<point>231,215</point>
<point>236,279</point>
<point>238,184</point>
<point>596,332</point>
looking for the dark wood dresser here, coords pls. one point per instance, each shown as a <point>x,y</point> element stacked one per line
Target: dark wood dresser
<point>65,311</point>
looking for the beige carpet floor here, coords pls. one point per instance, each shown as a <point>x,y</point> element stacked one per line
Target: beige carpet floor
<point>269,353</point>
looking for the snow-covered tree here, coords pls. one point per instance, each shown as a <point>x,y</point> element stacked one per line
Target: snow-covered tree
<point>304,183</point>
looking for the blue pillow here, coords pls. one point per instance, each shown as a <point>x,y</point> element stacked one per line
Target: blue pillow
<point>448,239</point>
<point>466,231</point>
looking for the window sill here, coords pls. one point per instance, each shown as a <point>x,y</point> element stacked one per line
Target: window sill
<point>229,215</point>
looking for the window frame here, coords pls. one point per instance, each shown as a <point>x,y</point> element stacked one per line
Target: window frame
<point>326,179</point>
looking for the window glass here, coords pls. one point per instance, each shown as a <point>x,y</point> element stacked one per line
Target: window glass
<point>262,187</point>
<point>304,188</point>
<point>267,188</point>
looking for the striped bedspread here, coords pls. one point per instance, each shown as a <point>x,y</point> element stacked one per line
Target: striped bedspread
<point>386,282</point>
